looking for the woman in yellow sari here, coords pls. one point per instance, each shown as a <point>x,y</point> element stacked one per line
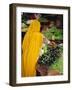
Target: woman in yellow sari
<point>31,46</point>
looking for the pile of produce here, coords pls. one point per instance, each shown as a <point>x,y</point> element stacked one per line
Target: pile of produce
<point>53,32</point>
<point>51,55</point>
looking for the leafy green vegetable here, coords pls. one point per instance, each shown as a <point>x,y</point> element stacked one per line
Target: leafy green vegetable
<point>58,65</point>
<point>53,31</point>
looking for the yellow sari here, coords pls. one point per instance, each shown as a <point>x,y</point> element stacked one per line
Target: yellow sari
<point>31,46</point>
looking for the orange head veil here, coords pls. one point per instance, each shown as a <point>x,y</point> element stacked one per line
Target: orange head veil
<point>31,46</point>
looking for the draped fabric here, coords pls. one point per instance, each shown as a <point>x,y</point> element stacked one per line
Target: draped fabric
<point>31,46</point>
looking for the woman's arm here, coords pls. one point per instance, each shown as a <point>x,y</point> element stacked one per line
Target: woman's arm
<point>45,40</point>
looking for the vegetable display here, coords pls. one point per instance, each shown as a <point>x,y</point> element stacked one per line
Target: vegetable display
<point>51,55</point>
<point>53,32</point>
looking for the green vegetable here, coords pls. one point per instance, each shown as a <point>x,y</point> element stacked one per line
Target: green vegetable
<point>58,65</point>
<point>57,33</point>
<point>51,56</point>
